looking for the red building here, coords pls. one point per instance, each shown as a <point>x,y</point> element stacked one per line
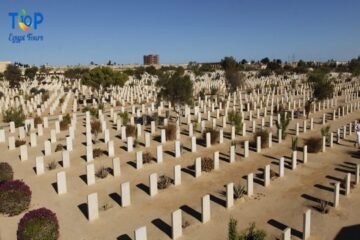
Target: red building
<point>151,59</point>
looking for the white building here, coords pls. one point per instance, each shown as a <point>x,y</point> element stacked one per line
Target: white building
<point>3,65</point>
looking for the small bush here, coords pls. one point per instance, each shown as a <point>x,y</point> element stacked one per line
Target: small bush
<point>232,232</point>
<point>294,143</point>
<point>15,115</point>
<point>18,142</point>
<point>39,224</point>
<point>102,173</point>
<point>239,191</point>
<point>95,128</point>
<point>67,119</point>
<point>37,120</point>
<point>283,123</point>
<point>164,182</point>
<point>253,233</point>
<point>214,135</point>
<point>52,165</point>
<point>147,157</point>
<point>325,132</point>
<point>97,152</point>
<point>45,96</point>
<point>59,147</point>
<point>93,111</point>
<point>6,172</point>
<point>15,197</point>
<point>64,125</point>
<point>264,137</point>
<point>130,131</point>
<point>236,120</point>
<point>323,207</point>
<point>170,130</point>
<point>33,90</point>
<point>125,117</point>
<point>207,164</point>
<point>314,144</point>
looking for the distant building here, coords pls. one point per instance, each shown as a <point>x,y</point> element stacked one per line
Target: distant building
<point>151,59</point>
<point>3,65</point>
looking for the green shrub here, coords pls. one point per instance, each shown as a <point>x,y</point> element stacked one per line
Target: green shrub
<point>15,115</point>
<point>252,233</point>
<point>294,143</point>
<point>93,111</point>
<point>125,117</point>
<point>15,197</point>
<point>65,122</point>
<point>232,232</point>
<point>325,132</point>
<point>283,124</point>
<point>39,224</point>
<point>6,172</point>
<point>239,191</point>
<point>236,120</point>
<point>67,119</point>
<point>314,144</point>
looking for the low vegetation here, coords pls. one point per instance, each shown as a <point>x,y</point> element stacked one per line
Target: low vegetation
<point>314,144</point>
<point>6,172</point>
<point>38,224</point>
<point>170,130</point>
<point>207,164</point>
<point>264,134</point>
<point>15,197</point>
<point>214,135</point>
<point>15,115</point>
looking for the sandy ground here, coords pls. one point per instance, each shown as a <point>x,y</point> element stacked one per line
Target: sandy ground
<point>272,208</point>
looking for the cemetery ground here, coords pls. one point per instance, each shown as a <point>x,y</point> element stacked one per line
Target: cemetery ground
<point>120,209</point>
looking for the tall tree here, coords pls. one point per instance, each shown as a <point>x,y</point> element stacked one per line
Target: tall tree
<point>321,84</point>
<point>103,76</point>
<point>13,75</point>
<point>233,77</point>
<point>176,88</point>
<point>265,60</point>
<point>75,73</point>
<point>229,63</point>
<point>30,73</point>
<point>44,70</point>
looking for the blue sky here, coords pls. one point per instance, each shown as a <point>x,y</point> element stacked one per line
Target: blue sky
<point>80,31</point>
